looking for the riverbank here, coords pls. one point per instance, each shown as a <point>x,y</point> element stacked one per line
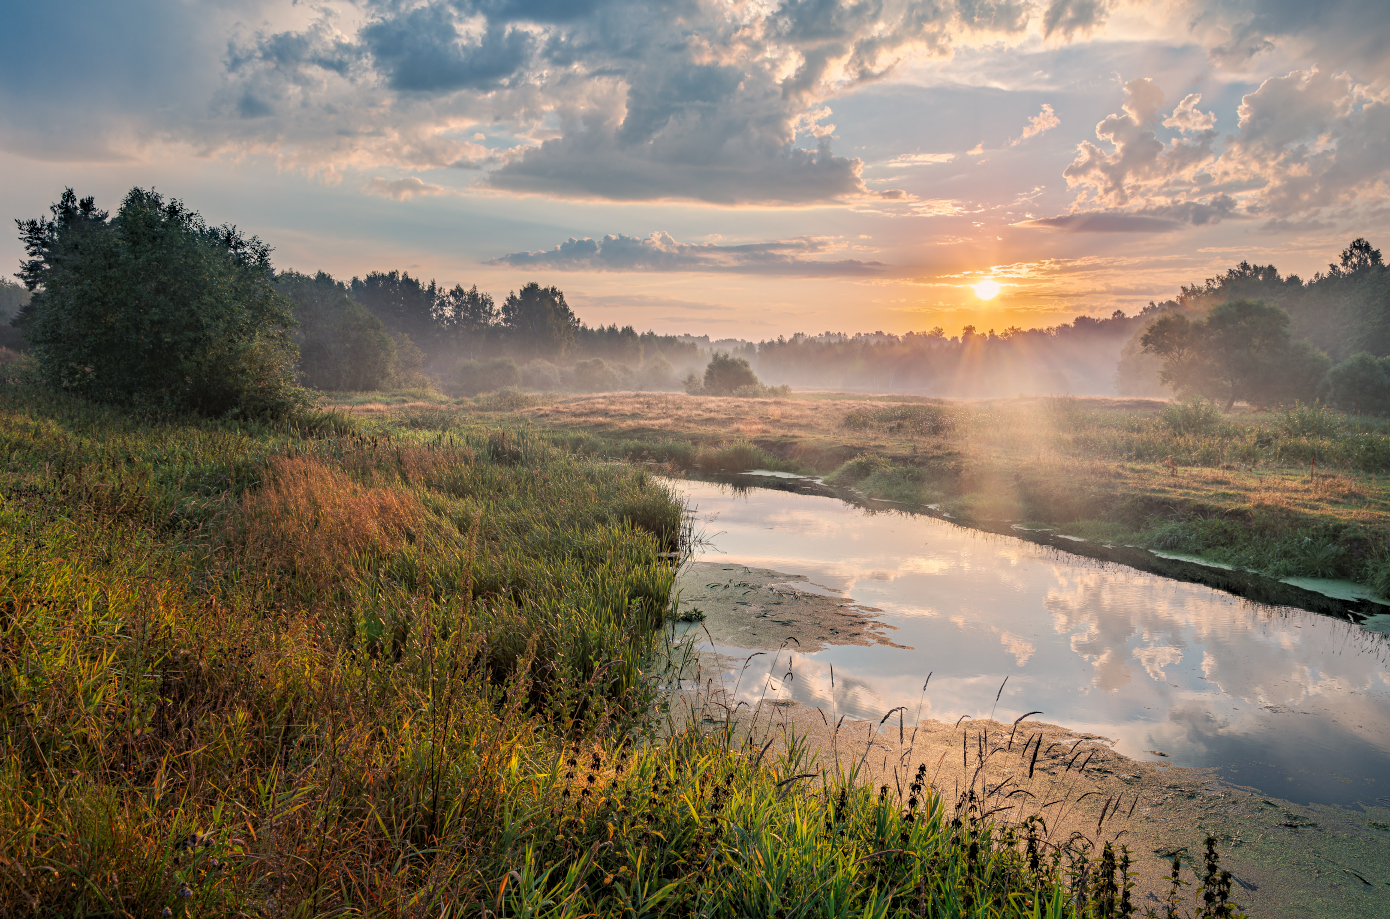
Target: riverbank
<point>1289,860</point>
<point>1302,494</point>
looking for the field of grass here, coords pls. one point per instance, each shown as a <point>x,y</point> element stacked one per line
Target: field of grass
<point>1303,493</point>
<point>407,663</point>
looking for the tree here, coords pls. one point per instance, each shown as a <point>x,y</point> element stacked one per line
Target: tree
<point>405,305</point>
<point>539,321</point>
<point>1356,258</point>
<point>1361,383</point>
<point>726,374</point>
<point>466,315</point>
<point>1241,350</point>
<point>155,308</point>
<point>342,346</point>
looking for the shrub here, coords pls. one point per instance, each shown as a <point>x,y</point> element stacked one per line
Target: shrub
<point>598,375</point>
<point>541,375</point>
<point>1310,421</point>
<point>727,374</point>
<point>1194,417</point>
<point>473,377</point>
<point>1360,384</point>
<point>155,308</point>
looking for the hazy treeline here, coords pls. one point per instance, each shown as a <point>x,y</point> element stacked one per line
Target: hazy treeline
<point>1077,357</point>
<point>1336,328</point>
<point>389,328</point>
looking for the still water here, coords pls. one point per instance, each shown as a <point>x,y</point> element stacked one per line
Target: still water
<point>1286,701</point>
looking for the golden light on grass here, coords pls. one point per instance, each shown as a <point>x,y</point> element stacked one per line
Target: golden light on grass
<point>987,289</point>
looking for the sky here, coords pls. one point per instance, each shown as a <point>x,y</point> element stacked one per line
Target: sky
<point>736,168</point>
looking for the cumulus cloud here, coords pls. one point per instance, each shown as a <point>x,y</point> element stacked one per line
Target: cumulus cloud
<point>402,189</point>
<point>1040,123</point>
<point>1306,141</point>
<point>800,257</point>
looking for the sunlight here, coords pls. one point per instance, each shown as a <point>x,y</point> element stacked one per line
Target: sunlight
<point>987,289</point>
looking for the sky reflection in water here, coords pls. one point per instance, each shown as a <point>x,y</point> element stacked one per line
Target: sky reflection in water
<point>1290,702</point>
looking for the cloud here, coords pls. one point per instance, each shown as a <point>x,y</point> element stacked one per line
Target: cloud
<point>402,189</point>
<point>1067,18</point>
<point>422,50</point>
<point>661,252</point>
<point>921,159</point>
<point>1040,123</point>
<point>1307,142</point>
<point>1188,119</point>
<point>1160,219</point>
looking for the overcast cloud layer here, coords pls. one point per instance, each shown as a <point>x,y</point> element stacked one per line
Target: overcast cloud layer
<point>953,135</point>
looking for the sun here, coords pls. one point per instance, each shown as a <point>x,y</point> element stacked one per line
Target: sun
<point>987,289</point>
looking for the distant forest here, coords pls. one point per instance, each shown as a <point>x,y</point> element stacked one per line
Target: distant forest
<point>1327,338</point>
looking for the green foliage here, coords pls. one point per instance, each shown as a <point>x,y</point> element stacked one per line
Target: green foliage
<point>539,321</point>
<point>1241,350</point>
<point>1359,384</point>
<point>737,457</point>
<point>472,377</point>
<point>726,374</point>
<point>342,346</point>
<point>1196,416</point>
<point>1310,421</point>
<point>155,308</point>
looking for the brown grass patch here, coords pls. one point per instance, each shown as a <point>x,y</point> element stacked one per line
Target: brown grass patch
<point>315,523</point>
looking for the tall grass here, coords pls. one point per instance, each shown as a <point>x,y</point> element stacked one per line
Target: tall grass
<point>400,668</point>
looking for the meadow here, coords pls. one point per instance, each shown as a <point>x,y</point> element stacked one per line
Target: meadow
<point>1298,493</point>
<point>410,662</point>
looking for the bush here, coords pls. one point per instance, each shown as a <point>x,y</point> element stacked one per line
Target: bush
<point>1310,421</point>
<point>598,375</point>
<point>472,377</point>
<point>727,374</point>
<point>1359,384</point>
<point>656,373</point>
<point>540,375</point>
<point>155,308</point>
<point>1194,417</point>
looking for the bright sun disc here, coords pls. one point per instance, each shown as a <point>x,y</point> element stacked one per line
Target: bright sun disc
<point>987,289</point>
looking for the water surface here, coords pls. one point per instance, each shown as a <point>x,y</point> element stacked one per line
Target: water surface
<point>1289,702</point>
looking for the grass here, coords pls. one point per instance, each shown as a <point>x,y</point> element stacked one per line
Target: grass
<point>405,664</point>
<point>1303,492</point>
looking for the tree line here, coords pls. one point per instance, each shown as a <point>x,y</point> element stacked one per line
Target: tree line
<point>154,306</point>
<point>1253,335</point>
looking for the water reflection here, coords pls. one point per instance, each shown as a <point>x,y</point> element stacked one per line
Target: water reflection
<point>1287,701</point>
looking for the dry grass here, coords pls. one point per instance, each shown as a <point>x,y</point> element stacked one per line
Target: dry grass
<point>316,524</point>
